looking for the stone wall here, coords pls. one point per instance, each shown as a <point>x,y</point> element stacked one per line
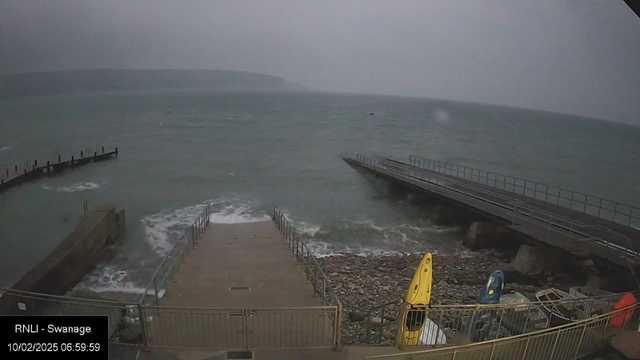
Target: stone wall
<point>74,256</point>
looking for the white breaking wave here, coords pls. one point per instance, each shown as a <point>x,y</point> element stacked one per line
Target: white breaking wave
<point>237,214</point>
<point>309,230</point>
<point>5,148</point>
<point>164,229</point>
<point>322,249</point>
<point>110,279</point>
<point>74,187</point>
<point>432,228</point>
<point>363,237</point>
<point>371,224</point>
<point>302,227</point>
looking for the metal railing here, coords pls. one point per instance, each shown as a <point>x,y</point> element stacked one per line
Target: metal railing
<point>575,232</point>
<point>125,326</point>
<point>435,181</point>
<point>565,342</point>
<point>593,205</point>
<point>146,324</point>
<point>241,329</point>
<point>171,262</point>
<point>476,322</point>
<point>315,275</point>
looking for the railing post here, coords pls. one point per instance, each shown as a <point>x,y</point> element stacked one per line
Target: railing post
<point>324,290</point>
<point>526,347</point>
<point>193,237</point>
<point>338,327</point>
<point>143,327</point>
<point>584,329</point>
<point>245,329</point>
<point>493,349</point>
<point>315,280</point>
<point>155,290</point>
<point>473,318</point>
<point>555,343</point>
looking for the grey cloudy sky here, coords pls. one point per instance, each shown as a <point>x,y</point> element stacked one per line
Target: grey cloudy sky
<point>574,56</point>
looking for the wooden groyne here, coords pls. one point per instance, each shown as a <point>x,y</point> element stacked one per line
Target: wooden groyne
<point>15,175</point>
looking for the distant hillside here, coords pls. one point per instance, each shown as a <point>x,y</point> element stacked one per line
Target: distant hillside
<point>57,82</point>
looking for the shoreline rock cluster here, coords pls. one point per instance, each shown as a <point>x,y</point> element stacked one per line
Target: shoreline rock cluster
<point>364,284</point>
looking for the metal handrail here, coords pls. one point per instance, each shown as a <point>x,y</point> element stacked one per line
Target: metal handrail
<point>453,314</point>
<point>171,261</point>
<point>572,227</point>
<point>315,274</point>
<point>59,298</point>
<point>583,325</point>
<point>532,189</point>
<point>313,270</point>
<point>486,196</point>
<point>325,307</point>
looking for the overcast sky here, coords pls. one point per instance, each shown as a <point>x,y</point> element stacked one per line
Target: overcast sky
<point>573,56</point>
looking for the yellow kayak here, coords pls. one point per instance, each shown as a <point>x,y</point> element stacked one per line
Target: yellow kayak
<point>416,302</point>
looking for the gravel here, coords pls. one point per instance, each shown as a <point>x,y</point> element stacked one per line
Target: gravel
<point>363,283</point>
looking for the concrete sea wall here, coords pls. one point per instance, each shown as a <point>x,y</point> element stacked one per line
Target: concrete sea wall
<point>73,257</point>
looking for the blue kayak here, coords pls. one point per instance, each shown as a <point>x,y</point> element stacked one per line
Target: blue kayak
<point>492,290</point>
<point>484,319</point>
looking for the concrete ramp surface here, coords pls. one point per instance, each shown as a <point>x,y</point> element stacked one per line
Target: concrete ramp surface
<point>241,288</point>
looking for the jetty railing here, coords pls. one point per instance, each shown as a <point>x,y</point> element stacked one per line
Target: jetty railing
<point>620,213</point>
<point>170,264</point>
<point>576,232</point>
<point>571,230</point>
<point>565,342</point>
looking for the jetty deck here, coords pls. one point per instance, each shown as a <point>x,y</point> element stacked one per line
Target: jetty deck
<point>597,230</point>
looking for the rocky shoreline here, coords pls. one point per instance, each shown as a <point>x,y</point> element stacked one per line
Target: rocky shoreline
<point>364,283</point>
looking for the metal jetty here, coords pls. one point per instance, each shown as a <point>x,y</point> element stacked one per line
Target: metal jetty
<point>581,224</point>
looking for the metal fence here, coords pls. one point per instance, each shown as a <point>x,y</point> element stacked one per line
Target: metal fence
<point>241,329</point>
<point>566,342</point>
<point>124,322</point>
<point>593,205</point>
<point>162,277</point>
<point>315,275</point>
<point>455,324</point>
<point>575,234</point>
